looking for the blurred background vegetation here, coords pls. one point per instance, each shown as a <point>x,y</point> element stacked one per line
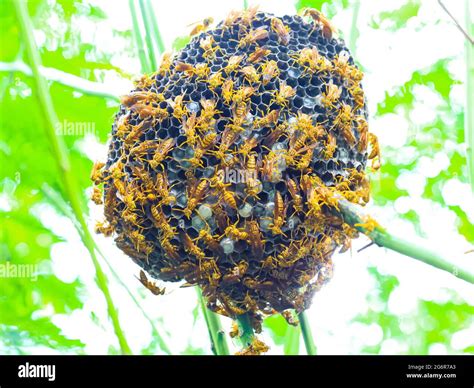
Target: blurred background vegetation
<point>418,85</point>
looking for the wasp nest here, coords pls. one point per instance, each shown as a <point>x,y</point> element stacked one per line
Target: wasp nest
<point>225,165</point>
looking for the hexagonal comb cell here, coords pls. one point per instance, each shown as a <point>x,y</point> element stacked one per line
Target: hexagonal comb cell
<point>225,165</point>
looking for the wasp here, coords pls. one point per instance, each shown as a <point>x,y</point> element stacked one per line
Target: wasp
<point>222,219</point>
<point>249,15</point>
<point>139,242</point>
<point>97,173</point>
<point>195,196</point>
<point>201,70</point>
<point>228,91</point>
<point>160,221</point>
<point>154,289</point>
<point>189,129</point>
<point>253,36</point>
<point>250,74</point>
<point>281,30</point>
<point>96,196</point>
<point>253,184</point>
<point>255,239</point>
<point>169,249</point>
<point>144,147</point>
<point>179,110</point>
<point>162,188</point>
<point>358,96</point>
<point>333,92</point>
<point>284,93</point>
<point>269,168</point>
<point>236,273</point>
<point>201,26</point>
<point>289,318</point>
<point>208,110</point>
<point>229,199</point>
<point>243,94</point>
<point>161,152</point>
<point>207,45</point>
<point>233,63</point>
<point>235,233</point>
<point>253,284</point>
<point>248,146</point>
<point>230,19</point>
<point>215,80</point>
<point>327,29</point>
<point>165,65</point>
<point>240,111</point>
<point>375,151</point>
<point>369,224</point>
<point>133,98</point>
<point>210,241</point>
<point>191,247</point>
<point>144,82</point>
<point>341,64</point>
<point>137,131</point>
<point>295,195</point>
<point>123,126</point>
<point>204,144</point>
<point>355,75</point>
<point>305,159</point>
<point>270,70</point>
<point>274,135</point>
<point>147,111</point>
<point>329,148</point>
<point>104,228</point>
<point>308,58</point>
<point>110,202</point>
<point>344,117</point>
<point>278,214</point>
<point>258,54</point>
<point>228,137</point>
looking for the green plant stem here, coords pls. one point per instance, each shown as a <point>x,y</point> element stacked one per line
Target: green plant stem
<point>142,54</point>
<point>246,330</point>
<point>421,251</point>
<point>469,111</point>
<point>61,157</point>
<point>354,32</point>
<point>216,334</point>
<point>54,75</point>
<point>63,207</point>
<point>154,26</point>
<point>307,334</point>
<point>148,34</point>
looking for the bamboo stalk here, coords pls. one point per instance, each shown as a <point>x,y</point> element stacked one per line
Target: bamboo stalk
<point>307,334</point>
<point>246,330</point>
<point>469,111</point>
<point>148,35</point>
<point>61,157</point>
<point>54,75</point>
<point>352,214</point>
<point>354,31</point>
<point>154,27</point>
<point>216,334</point>
<point>142,54</point>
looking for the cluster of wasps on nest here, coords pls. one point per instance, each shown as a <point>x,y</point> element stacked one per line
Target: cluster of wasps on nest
<point>226,164</point>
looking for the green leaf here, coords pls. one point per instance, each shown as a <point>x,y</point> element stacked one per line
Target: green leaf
<point>394,20</point>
